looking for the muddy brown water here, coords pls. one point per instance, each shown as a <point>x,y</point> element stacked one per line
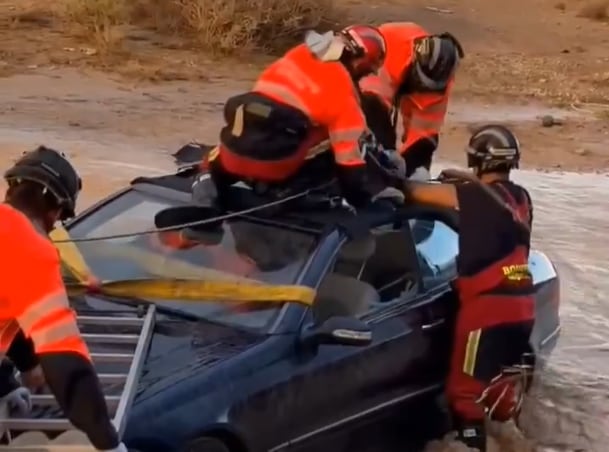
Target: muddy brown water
<point>569,408</point>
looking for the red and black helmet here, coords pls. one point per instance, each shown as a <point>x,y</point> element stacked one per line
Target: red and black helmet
<point>366,46</point>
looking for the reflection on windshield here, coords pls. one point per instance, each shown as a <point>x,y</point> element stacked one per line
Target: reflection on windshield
<point>239,250</point>
<point>437,248</point>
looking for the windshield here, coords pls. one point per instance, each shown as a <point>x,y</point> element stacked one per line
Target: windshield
<point>241,250</point>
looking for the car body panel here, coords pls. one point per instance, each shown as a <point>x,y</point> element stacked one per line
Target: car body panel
<point>269,391</point>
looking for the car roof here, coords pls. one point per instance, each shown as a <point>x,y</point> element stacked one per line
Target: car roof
<point>354,224</point>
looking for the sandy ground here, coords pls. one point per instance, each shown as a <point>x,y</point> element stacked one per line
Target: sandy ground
<point>119,116</point>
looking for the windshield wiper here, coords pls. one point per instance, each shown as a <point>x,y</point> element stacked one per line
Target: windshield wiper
<point>135,303</point>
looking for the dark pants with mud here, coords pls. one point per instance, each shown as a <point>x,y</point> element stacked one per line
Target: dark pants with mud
<point>378,118</point>
<point>380,122</point>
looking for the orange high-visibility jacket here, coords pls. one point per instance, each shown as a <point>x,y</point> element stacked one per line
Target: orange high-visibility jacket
<point>32,293</point>
<point>422,113</point>
<point>323,91</point>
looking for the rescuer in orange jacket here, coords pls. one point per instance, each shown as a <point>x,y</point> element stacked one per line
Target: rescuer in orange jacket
<point>495,287</point>
<point>42,189</point>
<point>301,106</point>
<point>416,80</point>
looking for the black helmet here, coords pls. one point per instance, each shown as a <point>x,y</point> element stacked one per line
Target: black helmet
<point>53,171</point>
<point>436,59</point>
<point>493,147</point>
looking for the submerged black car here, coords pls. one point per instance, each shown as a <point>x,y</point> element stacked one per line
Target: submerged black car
<point>360,369</point>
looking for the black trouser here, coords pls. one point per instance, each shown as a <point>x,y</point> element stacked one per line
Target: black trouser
<point>379,119</point>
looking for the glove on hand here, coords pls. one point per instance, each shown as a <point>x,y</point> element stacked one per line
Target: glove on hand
<point>393,161</point>
<point>18,401</point>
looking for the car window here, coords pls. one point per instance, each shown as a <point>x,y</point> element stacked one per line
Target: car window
<point>385,261</point>
<point>238,250</point>
<point>437,247</point>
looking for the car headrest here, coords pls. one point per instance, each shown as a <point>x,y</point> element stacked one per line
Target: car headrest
<point>358,250</point>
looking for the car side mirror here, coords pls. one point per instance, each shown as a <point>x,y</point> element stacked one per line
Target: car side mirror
<point>337,331</point>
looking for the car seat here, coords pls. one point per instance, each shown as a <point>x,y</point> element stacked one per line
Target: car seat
<point>340,295</point>
<point>392,269</point>
<point>353,256</point>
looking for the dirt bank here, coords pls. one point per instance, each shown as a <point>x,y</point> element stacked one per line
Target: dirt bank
<point>555,52</point>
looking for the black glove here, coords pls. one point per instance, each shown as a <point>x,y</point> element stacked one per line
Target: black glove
<point>389,165</point>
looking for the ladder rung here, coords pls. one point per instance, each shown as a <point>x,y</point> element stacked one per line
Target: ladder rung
<point>111,338</point>
<point>109,321</point>
<point>36,424</point>
<point>49,400</point>
<point>112,378</point>
<point>112,357</point>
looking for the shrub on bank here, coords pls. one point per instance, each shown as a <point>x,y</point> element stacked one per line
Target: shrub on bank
<point>219,26</point>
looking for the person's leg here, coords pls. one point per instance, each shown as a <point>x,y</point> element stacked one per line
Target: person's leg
<point>508,345</point>
<point>419,156</point>
<point>463,390</point>
<point>210,188</point>
<point>378,118</point>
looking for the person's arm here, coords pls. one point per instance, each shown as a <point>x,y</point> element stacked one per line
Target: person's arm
<point>422,119</point>
<point>440,195</point>
<point>40,305</point>
<point>347,128</point>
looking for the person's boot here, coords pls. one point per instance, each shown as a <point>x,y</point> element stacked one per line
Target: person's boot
<point>472,434</point>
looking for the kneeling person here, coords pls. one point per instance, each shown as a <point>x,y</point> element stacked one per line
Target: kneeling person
<point>302,106</point>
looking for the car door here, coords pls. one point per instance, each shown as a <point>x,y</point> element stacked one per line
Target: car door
<point>436,246</point>
<point>338,390</point>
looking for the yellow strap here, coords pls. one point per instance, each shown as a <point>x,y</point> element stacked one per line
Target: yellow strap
<point>232,289</point>
<point>200,291</point>
<point>70,255</point>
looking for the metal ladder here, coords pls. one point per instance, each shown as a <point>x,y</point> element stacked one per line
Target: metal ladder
<point>30,434</point>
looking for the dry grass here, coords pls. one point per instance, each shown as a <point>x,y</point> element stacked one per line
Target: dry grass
<point>597,10</point>
<point>217,26</point>
<point>98,21</point>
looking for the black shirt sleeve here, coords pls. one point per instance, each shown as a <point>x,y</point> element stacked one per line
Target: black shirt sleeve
<point>74,382</point>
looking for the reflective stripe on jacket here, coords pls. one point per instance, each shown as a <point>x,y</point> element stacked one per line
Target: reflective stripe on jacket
<point>325,93</point>
<point>32,290</point>
<point>422,113</point>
